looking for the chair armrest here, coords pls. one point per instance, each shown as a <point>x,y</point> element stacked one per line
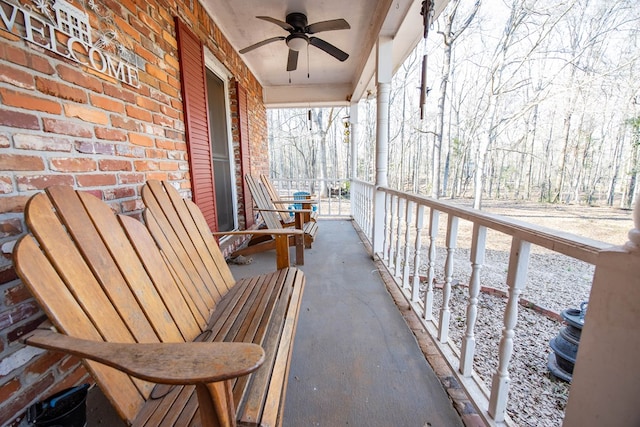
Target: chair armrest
<point>165,363</point>
<point>262,232</point>
<point>285,210</point>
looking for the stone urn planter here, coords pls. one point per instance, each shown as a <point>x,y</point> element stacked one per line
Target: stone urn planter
<point>565,344</point>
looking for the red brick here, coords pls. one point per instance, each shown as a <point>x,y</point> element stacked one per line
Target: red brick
<point>41,64</point>
<point>18,313</point>
<point>4,141</point>
<point>79,78</point>
<point>170,112</point>
<point>156,154</point>
<point>132,205</point>
<point>60,90</point>
<point>39,143</point>
<point>148,20</point>
<point>146,54</point>
<point>147,104</point>
<point>87,147</point>
<point>142,29</point>
<point>138,139</point>
<point>9,389</point>
<point>86,114</point>
<point>73,164</point>
<point>162,120</point>
<point>18,120</point>
<point>96,180</point>
<point>40,182</point>
<point>15,162</point>
<point>131,178</point>
<point>6,185</point>
<point>159,96</point>
<point>44,363</point>
<point>156,72</point>
<point>116,92</point>
<point>159,176</point>
<point>169,59</point>
<point>125,123</point>
<point>114,165</point>
<point>106,103</point>
<point>145,165</point>
<point>138,113</point>
<point>16,294</point>
<point>130,151</point>
<point>172,134</point>
<point>119,193</point>
<point>169,89</point>
<point>15,55</point>
<point>14,204</point>
<point>168,166</point>
<point>165,144</point>
<point>29,102</point>
<point>66,127</point>
<point>16,77</point>
<point>10,227</point>
<point>110,134</point>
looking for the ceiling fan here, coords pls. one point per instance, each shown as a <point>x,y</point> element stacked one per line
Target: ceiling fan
<point>298,38</point>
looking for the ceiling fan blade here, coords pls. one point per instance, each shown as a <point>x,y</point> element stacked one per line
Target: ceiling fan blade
<point>278,22</point>
<point>292,61</point>
<point>329,48</point>
<point>334,24</point>
<point>262,43</point>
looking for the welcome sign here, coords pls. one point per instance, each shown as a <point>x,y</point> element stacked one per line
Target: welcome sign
<point>64,29</point>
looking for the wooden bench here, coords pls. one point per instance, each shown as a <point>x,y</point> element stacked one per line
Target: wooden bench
<point>269,212</point>
<point>168,335</point>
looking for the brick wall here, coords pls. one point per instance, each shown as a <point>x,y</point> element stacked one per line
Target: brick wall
<point>63,123</point>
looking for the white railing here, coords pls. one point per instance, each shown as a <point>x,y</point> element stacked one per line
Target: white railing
<point>332,197</point>
<point>407,218</point>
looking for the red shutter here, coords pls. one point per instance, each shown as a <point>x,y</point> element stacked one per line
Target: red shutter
<point>196,115</point>
<point>245,151</point>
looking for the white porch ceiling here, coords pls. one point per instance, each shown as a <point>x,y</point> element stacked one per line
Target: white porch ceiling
<point>330,82</point>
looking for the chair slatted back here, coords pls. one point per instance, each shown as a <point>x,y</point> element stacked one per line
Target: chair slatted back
<point>179,232</point>
<point>285,217</point>
<point>263,203</point>
<point>100,276</point>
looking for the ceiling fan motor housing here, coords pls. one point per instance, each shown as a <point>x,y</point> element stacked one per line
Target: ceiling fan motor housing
<point>297,20</point>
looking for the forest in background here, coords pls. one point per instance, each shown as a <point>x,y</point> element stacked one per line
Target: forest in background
<point>527,100</point>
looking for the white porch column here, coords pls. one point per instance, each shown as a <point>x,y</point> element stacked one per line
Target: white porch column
<point>384,74</point>
<point>353,138</point>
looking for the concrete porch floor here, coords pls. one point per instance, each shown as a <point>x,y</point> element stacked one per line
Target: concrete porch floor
<point>355,360</point>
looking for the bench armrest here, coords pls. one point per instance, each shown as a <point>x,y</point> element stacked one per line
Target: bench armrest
<point>165,363</point>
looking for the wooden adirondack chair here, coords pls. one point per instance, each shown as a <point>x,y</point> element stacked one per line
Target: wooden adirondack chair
<point>269,213</point>
<point>132,310</point>
<point>304,202</point>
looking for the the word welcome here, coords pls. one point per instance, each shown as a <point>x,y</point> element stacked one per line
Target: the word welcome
<point>24,24</point>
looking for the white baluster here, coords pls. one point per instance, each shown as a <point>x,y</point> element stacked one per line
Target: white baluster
<point>445,312</point>
<point>415,294</point>
<point>392,209</point>
<point>388,220</point>
<point>398,258</point>
<point>516,280</point>
<point>478,243</point>
<point>407,248</point>
<point>431,272</point>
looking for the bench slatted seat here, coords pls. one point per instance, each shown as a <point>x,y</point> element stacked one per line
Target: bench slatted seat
<point>169,343</point>
<point>270,213</point>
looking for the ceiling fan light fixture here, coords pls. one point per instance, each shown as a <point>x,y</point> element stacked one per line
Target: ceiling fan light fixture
<point>297,42</point>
